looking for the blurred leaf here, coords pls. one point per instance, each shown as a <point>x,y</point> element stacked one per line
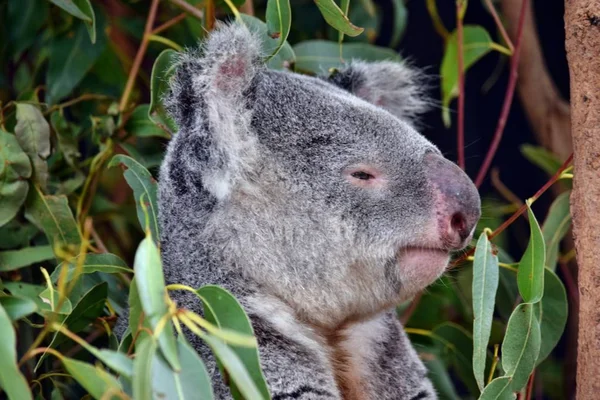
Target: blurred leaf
<point>95,380</point>
<point>285,55</point>
<point>150,283</point>
<point>11,379</point>
<point>15,259</point>
<point>318,56</point>
<point>26,18</point>
<point>400,22</point>
<point>66,135</point>
<point>88,309</point>
<point>33,134</point>
<point>53,215</point>
<point>530,277</point>
<point>144,190</point>
<point>147,160</point>
<point>143,383</point>
<point>507,293</point>
<point>70,7</point>
<point>222,309</point>
<point>81,9</point>
<point>279,20</point>
<point>555,227</point>
<point>498,389</point>
<point>49,298</point>
<point>193,380</point>
<point>105,262</point>
<point>552,313</point>
<point>363,13</point>
<point>541,157</point>
<point>140,125</point>
<point>17,307</point>
<point>485,285</point>
<point>71,57</point>
<point>15,168</point>
<point>476,44</point>
<point>521,345</point>
<point>440,377</point>
<point>28,291</point>
<point>16,233</point>
<point>162,70</point>
<point>137,319</point>
<point>336,18</point>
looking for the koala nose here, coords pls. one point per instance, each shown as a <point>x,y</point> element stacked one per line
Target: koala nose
<point>457,205</point>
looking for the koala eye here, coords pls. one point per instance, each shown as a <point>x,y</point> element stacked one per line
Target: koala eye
<point>362,175</point>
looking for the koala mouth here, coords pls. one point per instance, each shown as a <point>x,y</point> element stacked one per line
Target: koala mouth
<point>421,266</point>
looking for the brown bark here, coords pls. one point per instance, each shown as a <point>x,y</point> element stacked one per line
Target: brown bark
<point>547,112</point>
<point>582,23</point>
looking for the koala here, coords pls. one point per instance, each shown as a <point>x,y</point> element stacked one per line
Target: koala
<point>316,202</point>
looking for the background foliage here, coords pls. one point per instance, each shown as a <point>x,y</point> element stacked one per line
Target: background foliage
<point>82,132</point>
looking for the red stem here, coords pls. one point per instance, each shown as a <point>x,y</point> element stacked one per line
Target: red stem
<point>460,139</point>
<point>510,91</point>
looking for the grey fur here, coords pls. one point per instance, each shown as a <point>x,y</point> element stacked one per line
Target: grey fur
<point>253,197</point>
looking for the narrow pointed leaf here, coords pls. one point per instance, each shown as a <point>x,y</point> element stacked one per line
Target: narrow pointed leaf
<point>485,285</point>
<point>279,54</point>
<point>105,262</point>
<point>152,293</point>
<point>279,20</point>
<point>95,380</point>
<point>140,125</point>
<point>555,227</point>
<point>11,379</point>
<point>144,189</point>
<point>17,307</point>
<point>15,259</point>
<point>553,311</point>
<point>498,389</point>
<point>521,346</point>
<point>142,369</point>
<point>33,134</point>
<point>162,70</point>
<point>541,157</point>
<point>530,277</point>
<point>336,18</point>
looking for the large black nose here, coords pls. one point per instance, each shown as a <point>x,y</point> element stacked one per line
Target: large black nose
<point>457,205</point>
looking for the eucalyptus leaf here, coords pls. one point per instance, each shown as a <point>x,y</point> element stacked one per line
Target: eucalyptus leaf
<point>140,125</point>
<point>33,134</point>
<point>17,307</point>
<point>11,379</point>
<point>279,21</point>
<point>162,70</point>
<point>95,380</point>
<point>556,226</point>
<point>105,262</point>
<point>552,313</point>
<point>498,389</point>
<point>15,259</point>
<point>336,18</point>
<point>530,277</point>
<point>485,285</point>
<point>143,382</point>
<point>279,56</point>
<point>15,168</point>
<point>541,157</point>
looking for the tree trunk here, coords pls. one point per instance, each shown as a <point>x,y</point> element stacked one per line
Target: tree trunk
<point>582,24</point>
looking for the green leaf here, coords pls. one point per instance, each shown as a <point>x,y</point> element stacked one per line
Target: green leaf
<point>541,157</point>
<point>236,370</point>
<point>336,18</point>
<point>151,289</point>
<point>71,57</point>
<point>142,369</point>
<point>144,189</point>
<point>53,215</point>
<point>400,22</point>
<point>31,292</point>
<point>95,380</point>
<point>530,277</point>
<point>555,227</point>
<point>476,44</point>
<point>162,70</point>
<point>521,345</point>
<point>192,382</point>
<point>140,125</point>
<point>17,307</point>
<point>88,308</point>
<point>317,56</point>
<point>279,21</point>
<point>485,285</point>
<point>11,379</point>
<point>552,313</point>
<point>16,233</point>
<point>26,18</point>
<point>70,7</point>
<point>15,168</point>
<point>81,9</point>
<point>283,57</point>
<point>47,296</point>
<point>105,262</point>
<point>66,134</point>
<point>440,377</point>
<point>222,309</point>
<point>498,389</point>
<point>15,259</point>
<point>33,134</point>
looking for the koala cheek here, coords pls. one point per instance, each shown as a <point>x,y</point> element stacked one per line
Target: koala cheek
<point>419,267</point>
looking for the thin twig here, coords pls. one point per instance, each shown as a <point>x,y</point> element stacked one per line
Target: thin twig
<point>499,24</point>
<point>510,91</point>
<point>521,210</point>
<point>530,385</point>
<point>188,8</point>
<point>460,139</point>
<point>503,189</point>
<point>169,23</point>
<point>137,62</point>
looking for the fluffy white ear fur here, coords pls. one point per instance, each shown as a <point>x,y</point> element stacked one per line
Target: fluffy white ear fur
<point>394,86</point>
<point>207,100</point>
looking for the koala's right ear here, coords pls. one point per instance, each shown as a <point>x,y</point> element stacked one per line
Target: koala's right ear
<point>209,100</point>
<point>394,86</point>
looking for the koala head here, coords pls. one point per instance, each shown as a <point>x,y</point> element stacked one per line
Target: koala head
<point>316,190</point>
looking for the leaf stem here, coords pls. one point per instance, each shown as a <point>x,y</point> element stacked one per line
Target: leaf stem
<point>438,25</point>
<point>499,24</point>
<point>494,363</point>
<point>188,8</point>
<point>169,23</point>
<point>510,91</point>
<point>137,62</point>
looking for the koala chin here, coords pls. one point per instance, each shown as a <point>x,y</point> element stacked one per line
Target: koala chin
<point>316,202</point>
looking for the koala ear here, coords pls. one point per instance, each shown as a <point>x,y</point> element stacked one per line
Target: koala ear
<point>393,86</point>
<point>210,100</point>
